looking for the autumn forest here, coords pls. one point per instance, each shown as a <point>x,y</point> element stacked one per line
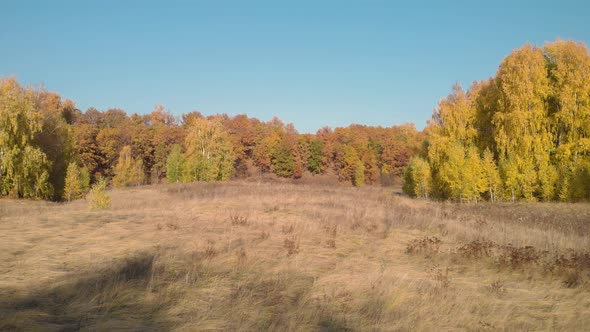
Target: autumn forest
<point>523,134</point>
<point>46,141</point>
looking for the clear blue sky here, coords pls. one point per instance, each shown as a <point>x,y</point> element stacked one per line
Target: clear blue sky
<point>313,63</point>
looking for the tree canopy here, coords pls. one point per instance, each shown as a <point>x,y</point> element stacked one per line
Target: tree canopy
<point>522,134</point>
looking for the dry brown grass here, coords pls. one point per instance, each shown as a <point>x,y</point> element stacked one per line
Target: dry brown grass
<point>277,256</point>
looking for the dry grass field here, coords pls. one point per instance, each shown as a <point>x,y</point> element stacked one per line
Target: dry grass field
<point>253,256</point>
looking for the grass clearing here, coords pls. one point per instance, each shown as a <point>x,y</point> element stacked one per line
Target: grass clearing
<point>279,256</point>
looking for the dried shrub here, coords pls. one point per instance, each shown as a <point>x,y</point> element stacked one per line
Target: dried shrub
<point>442,228</point>
<point>570,265</point>
<point>572,279</point>
<point>210,251</point>
<point>518,256</point>
<point>481,222</point>
<point>371,227</point>
<point>426,245</point>
<point>486,325</point>
<point>172,226</point>
<point>578,260</point>
<point>356,225</point>
<point>292,245</point>
<point>331,231</point>
<point>497,287</point>
<point>476,249</point>
<point>271,209</point>
<point>331,243</point>
<point>287,229</point>
<point>264,235</point>
<point>440,277</point>
<point>241,256</point>
<point>238,219</point>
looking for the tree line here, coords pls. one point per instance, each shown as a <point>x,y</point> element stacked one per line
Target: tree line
<point>49,149</point>
<point>522,134</point>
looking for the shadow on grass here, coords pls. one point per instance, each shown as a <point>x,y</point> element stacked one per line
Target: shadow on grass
<point>140,292</point>
<point>112,298</point>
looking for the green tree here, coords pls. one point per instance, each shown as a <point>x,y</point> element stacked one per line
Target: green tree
<point>314,162</point>
<point>175,165</point>
<point>418,178</point>
<point>283,163</point>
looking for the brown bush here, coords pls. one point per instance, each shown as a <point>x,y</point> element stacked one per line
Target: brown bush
<point>292,245</point>
<point>516,257</point>
<point>426,245</point>
<point>476,249</point>
<point>237,219</point>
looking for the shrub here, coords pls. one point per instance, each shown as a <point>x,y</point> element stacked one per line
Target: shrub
<point>97,197</point>
<point>518,256</point>
<point>426,245</point>
<point>440,277</point>
<point>497,287</point>
<point>238,220</point>
<point>292,245</point>
<point>476,249</point>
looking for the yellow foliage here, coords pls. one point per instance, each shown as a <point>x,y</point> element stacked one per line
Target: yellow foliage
<point>97,197</point>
